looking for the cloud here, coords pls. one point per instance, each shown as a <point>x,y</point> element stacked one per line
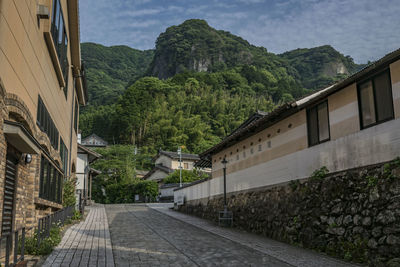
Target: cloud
<point>364,29</point>
<point>141,24</point>
<point>140,12</point>
<point>357,28</point>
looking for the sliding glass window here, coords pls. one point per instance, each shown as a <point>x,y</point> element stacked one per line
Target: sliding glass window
<point>375,100</point>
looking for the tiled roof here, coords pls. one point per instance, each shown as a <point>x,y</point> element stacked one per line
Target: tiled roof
<point>175,155</point>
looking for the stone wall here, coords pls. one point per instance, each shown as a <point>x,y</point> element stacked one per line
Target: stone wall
<point>353,215</point>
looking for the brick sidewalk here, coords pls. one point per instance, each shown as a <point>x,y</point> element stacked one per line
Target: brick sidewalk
<point>85,244</point>
<point>290,254</point>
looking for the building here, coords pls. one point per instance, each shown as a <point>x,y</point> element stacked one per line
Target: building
<point>94,140</point>
<point>353,123</point>
<point>167,162</point>
<point>84,175</point>
<point>41,87</point>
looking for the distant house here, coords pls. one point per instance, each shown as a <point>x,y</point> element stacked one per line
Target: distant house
<point>94,140</point>
<point>84,175</point>
<point>167,162</point>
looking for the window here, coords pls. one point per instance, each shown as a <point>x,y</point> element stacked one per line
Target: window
<point>318,124</point>
<point>259,147</point>
<point>60,38</point>
<point>50,186</point>
<point>63,155</point>
<point>46,124</point>
<point>76,117</point>
<point>186,166</point>
<point>375,100</point>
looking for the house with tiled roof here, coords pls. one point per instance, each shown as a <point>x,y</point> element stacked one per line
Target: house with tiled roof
<point>166,162</point>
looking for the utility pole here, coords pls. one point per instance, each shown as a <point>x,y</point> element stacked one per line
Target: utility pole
<point>134,159</point>
<point>180,166</point>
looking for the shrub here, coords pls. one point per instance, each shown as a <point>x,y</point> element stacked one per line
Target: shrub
<point>77,216</point>
<point>319,174</point>
<point>69,192</point>
<point>46,245</point>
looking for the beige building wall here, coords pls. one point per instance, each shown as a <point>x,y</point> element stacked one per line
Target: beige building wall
<point>188,163</point>
<point>27,71</point>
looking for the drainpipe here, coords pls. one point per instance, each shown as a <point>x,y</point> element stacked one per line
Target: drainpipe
<point>72,125</point>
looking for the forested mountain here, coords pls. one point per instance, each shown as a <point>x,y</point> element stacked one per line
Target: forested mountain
<point>110,69</point>
<point>197,86</point>
<point>195,46</point>
<point>320,66</point>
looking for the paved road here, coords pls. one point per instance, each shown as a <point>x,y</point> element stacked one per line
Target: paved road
<point>153,235</point>
<point>142,236</point>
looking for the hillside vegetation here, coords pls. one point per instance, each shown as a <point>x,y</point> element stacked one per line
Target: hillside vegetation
<point>196,86</point>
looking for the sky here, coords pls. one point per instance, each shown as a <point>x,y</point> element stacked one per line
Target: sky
<point>364,29</point>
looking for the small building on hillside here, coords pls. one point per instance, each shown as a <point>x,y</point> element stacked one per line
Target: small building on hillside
<point>94,140</point>
<point>84,175</point>
<point>166,162</point>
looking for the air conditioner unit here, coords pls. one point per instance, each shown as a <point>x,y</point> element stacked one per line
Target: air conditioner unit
<point>43,12</point>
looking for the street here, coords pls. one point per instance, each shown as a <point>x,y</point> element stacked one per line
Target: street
<point>155,239</point>
<point>154,235</point>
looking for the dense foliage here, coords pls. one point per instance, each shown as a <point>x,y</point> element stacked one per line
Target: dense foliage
<point>320,66</point>
<point>187,177</point>
<point>195,46</point>
<point>207,82</point>
<point>191,109</point>
<point>110,69</point>
<point>117,182</point>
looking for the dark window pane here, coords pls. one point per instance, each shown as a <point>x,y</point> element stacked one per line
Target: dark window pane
<point>383,95</point>
<point>367,104</point>
<point>312,127</point>
<point>42,169</point>
<point>323,122</point>
<point>44,178</point>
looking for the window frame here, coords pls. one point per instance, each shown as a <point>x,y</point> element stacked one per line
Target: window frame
<point>308,110</point>
<point>371,78</point>
<point>59,34</point>
<point>50,181</point>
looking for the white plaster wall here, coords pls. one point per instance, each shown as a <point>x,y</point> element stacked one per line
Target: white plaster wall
<point>175,165</point>
<point>369,146</point>
<point>167,192</point>
<point>81,163</point>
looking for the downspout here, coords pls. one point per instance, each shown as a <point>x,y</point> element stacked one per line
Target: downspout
<point>72,126</point>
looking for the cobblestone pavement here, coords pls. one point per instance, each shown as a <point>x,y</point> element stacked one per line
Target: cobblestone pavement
<point>85,244</point>
<point>142,236</point>
<point>294,256</point>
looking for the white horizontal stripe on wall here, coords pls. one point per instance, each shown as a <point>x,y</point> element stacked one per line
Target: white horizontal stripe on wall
<point>343,113</point>
<point>372,145</point>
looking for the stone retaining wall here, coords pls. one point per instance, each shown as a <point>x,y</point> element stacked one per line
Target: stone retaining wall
<point>354,214</point>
